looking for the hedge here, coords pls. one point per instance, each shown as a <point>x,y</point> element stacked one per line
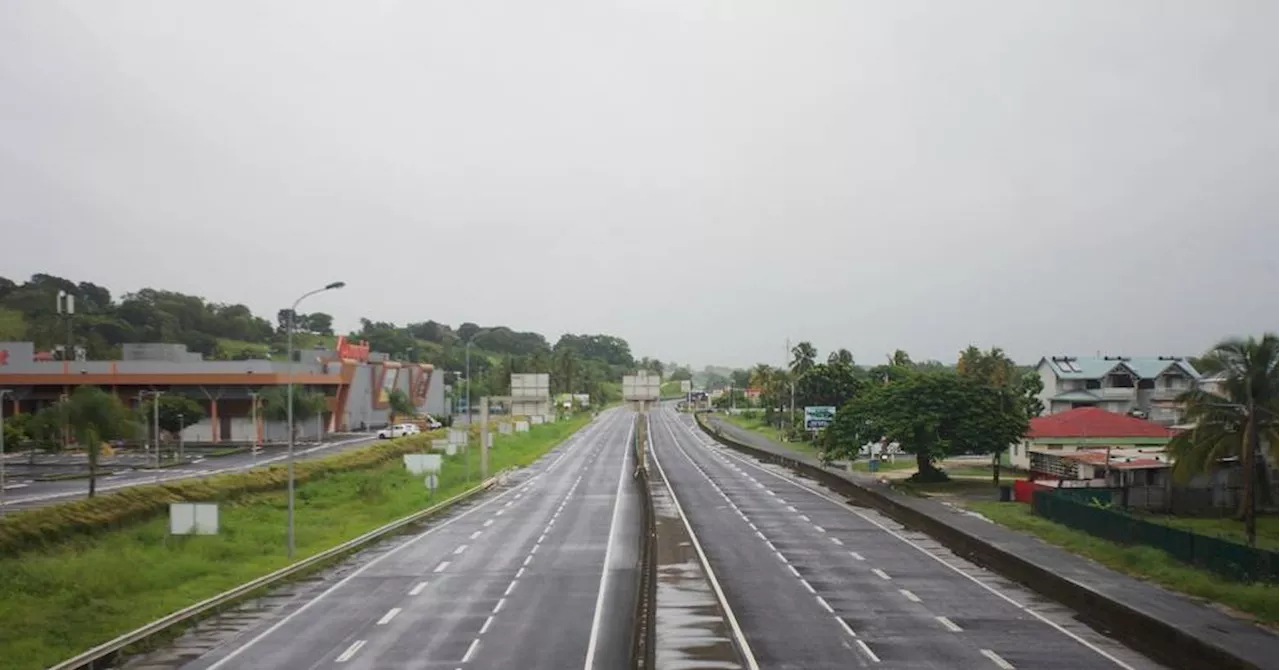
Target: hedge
<point>45,527</point>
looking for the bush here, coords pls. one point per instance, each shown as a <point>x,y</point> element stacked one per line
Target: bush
<point>47,526</point>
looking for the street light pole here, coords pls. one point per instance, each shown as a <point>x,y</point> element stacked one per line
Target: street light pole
<point>468,353</point>
<point>3,393</point>
<point>155,415</point>
<point>253,395</point>
<point>293,316</point>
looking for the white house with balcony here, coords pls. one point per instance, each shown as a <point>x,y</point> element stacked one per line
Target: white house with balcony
<point>1142,386</point>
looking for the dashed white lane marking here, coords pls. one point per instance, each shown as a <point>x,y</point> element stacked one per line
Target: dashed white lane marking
<point>949,624</point>
<point>770,492</point>
<point>791,508</point>
<point>442,566</point>
<point>856,556</point>
<point>499,512</point>
<point>836,540</point>
<point>805,518</point>
<point>881,573</point>
<point>808,586</point>
<point>351,651</point>
<point>386,618</point>
<point>498,607</point>
<point>761,536</point>
<point>770,545</point>
<point>510,587</point>
<point>534,549</point>
<point>820,529</point>
<point>485,627</point>
<point>488,522</point>
<point>508,503</point>
<point>541,538</point>
<point>909,595</point>
<point>892,533</point>
<point>460,549</point>
<point>995,658</point>
<point>417,588</point>
<point>476,534</point>
<point>867,650</point>
<point>846,627</point>
<point>470,651</point>
<point>519,573</point>
<point>825,605</point>
<point>528,560</point>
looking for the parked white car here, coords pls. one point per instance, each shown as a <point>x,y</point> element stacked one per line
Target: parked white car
<point>398,430</point>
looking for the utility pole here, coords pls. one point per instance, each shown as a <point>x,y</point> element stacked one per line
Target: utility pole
<point>253,398</point>
<point>468,357</point>
<point>182,426</point>
<point>3,393</point>
<point>155,415</point>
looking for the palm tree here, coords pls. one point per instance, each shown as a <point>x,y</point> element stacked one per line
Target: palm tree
<point>1233,421</point>
<point>802,357</point>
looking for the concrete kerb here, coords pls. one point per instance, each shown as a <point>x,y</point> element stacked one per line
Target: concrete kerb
<point>1167,643</point>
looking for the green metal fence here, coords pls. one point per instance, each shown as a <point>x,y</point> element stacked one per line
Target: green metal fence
<point>1229,559</point>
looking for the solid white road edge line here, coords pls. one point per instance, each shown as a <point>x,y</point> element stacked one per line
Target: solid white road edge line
<point>706,565</point>
<point>598,617</point>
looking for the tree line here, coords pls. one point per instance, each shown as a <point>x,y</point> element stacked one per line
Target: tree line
<point>931,410</point>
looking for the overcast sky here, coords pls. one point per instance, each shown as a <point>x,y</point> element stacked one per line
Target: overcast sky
<point>704,179</point>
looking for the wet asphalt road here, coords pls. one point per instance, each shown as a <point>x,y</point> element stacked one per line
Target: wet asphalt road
<point>815,583</point>
<point>539,575</point>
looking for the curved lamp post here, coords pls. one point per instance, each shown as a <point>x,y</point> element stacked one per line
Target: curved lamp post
<point>293,315</point>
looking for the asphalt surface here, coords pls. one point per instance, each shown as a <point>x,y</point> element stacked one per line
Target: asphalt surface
<point>539,575</point>
<point>22,492</point>
<point>814,583</point>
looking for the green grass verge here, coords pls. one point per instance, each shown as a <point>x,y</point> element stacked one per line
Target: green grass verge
<point>65,599</point>
<point>979,471</point>
<point>226,451</point>
<point>1256,600</point>
<point>758,425</point>
<point>1227,529</point>
<point>902,463</point>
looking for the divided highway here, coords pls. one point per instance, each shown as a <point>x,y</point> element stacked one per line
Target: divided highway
<point>539,575</point>
<point>814,583</point>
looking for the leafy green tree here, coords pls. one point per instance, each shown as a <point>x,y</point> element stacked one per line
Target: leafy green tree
<point>399,404</point>
<point>827,384</point>
<point>307,404</point>
<point>95,416</point>
<point>1234,421</point>
<point>841,356</point>
<point>803,356</point>
<point>1019,389</point>
<point>929,414</point>
<point>680,374</point>
<point>176,411</point>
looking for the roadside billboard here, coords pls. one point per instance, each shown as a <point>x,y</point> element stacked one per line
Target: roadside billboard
<point>818,417</point>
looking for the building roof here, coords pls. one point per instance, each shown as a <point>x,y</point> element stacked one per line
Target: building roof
<point>1094,422</point>
<point>1097,367</point>
<point>1117,462</point>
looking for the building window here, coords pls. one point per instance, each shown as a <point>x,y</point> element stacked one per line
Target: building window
<point>1146,384</point>
<point>1120,381</point>
<point>1093,384</point>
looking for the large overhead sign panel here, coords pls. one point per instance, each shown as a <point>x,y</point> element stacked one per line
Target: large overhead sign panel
<point>641,386</point>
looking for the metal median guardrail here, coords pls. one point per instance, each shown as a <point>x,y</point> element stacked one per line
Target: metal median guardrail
<point>107,652</point>
<point>643,625</point>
